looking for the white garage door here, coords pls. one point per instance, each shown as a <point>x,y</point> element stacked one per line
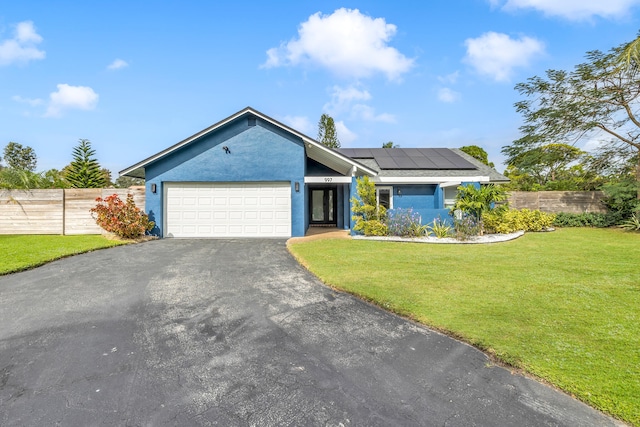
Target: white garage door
<point>206,209</point>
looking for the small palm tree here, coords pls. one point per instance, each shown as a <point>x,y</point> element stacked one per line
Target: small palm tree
<point>475,200</point>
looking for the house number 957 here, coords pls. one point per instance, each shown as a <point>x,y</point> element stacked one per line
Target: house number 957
<point>328,179</point>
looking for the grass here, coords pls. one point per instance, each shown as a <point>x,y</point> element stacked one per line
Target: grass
<point>21,252</point>
<point>563,306</point>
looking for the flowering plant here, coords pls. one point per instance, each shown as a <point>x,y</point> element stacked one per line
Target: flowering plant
<point>124,219</point>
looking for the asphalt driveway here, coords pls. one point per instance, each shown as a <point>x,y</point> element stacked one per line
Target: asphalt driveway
<point>235,333</point>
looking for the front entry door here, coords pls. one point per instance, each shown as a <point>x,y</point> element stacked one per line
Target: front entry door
<point>323,206</point>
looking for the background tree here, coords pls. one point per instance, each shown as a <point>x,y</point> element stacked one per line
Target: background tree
<point>20,158</point>
<point>53,178</point>
<point>11,178</point>
<point>127,181</point>
<point>107,177</point>
<point>597,99</point>
<point>85,171</point>
<point>327,134</point>
<point>477,153</point>
<point>390,144</point>
<point>546,163</point>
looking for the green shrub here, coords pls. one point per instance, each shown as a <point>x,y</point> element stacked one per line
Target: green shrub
<point>373,227</point>
<point>365,207</point>
<point>512,220</point>
<point>588,219</point>
<point>125,220</point>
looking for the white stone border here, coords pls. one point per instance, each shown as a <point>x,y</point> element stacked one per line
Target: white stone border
<point>489,238</point>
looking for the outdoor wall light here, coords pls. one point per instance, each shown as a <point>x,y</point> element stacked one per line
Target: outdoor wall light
<point>153,188</point>
<point>399,192</point>
<point>226,150</point>
<point>297,186</point>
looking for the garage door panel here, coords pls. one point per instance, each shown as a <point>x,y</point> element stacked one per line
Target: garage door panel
<point>228,209</point>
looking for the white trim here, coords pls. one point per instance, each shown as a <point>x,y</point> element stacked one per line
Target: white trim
<point>327,180</point>
<point>450,184</point>
<point>427,179</point>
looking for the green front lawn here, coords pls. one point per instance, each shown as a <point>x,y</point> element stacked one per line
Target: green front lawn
<point>20,252</point>
<point>564,306</point>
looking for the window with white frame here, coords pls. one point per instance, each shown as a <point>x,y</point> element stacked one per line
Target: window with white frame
<point>450,196</point>
<point>384,197</point>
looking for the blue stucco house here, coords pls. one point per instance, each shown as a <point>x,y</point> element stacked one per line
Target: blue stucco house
<point>252,176</point>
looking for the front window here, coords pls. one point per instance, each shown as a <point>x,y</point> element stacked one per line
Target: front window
<point>384,197</point>
<point>450,196</point>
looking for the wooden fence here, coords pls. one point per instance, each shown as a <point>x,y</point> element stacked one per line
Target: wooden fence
<point>558,201</point>
<point>56,211</point>
<point>67,211</point>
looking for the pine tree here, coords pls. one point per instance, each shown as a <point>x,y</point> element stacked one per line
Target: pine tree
<point>85,171</point>
<point>327,134</point>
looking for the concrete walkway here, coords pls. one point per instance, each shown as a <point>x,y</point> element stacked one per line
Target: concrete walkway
<point>236,333</point>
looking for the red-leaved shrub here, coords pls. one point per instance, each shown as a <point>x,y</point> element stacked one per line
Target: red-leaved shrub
<point>123,219</point>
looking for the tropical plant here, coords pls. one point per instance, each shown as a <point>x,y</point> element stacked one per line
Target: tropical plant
<point>632,224</point>
<point>476,200</point>
<point>11,178</point>
<point>440,229</point>
<point>85,171</point>
<point>124,219</point>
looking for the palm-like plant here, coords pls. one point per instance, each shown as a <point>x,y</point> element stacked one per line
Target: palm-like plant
<point>475,201</point>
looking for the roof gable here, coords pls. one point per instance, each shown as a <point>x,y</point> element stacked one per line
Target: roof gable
<point>315,150</point>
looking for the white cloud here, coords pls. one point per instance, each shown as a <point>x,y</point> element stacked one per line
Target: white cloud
<point>448,95</point>
<point>368,113</point>
<point>300,123</point>
<point>71,97</point>
<point>347,43</point>
<point>496,55</point>
<point>343,97</point>
<point>344,134</point>
<point>118,64</point>
<point>574,10</point>
<point>22,47</point>
<point>345,100</point>
<point>450,78</point>
<point>32,102</point>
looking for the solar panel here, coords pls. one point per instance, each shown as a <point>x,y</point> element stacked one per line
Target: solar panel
<point>405,163</point>
<point>386,163</point>
<point>411,158</point>
<point>424,163</point>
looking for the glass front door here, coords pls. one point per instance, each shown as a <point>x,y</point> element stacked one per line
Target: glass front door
<point>323,205</point>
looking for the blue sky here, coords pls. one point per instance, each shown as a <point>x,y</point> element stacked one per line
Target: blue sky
<point>135,77</point>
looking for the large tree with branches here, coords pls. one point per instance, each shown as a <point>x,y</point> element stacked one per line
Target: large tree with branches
<point>599,99</point>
